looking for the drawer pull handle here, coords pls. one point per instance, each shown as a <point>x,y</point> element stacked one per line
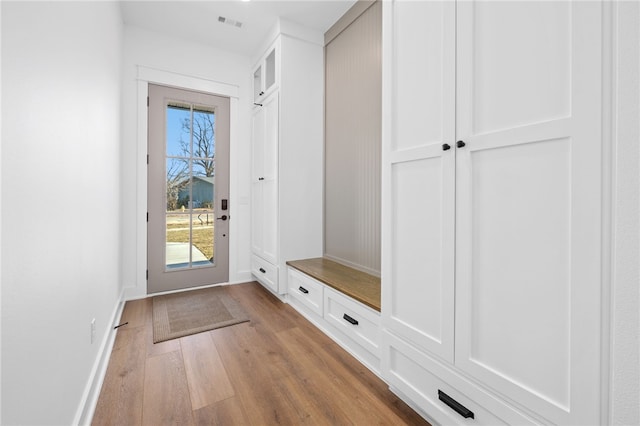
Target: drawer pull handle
<point>455,405</point>
<point>349,319</point>
<point>304,290</point>
<point>263,271</point>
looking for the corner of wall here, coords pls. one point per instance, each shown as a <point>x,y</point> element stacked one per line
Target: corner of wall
<point>0,217</point>
<point>624,397</point>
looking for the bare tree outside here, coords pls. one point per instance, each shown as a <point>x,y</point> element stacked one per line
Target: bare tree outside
<point>203,162</point>
<point>177,179</point>
<point>203,142</point>
<point>190,169</point>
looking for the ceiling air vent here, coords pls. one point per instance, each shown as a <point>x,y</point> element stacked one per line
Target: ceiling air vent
<point>228,21</point>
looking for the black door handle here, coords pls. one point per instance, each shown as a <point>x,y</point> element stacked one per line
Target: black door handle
<point>223,217</point>
<point>349,319</point>
<point>460,144</point>
<point>455,405</point>
<point>446,147</point>
<point>262,270</point>
<point>304,290</point>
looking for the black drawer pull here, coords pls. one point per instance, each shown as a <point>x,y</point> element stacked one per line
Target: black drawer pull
<point>263,271</point>
<point>304,290</point>
<point>349,319</point>
<point>455,405</point>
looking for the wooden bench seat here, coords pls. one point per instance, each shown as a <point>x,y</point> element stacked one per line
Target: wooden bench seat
<point>363,287</point>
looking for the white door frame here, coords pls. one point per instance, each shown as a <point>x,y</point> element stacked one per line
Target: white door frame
<point>148,75</point>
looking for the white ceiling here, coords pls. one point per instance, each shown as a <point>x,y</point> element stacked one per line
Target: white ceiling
<point>198,20</point>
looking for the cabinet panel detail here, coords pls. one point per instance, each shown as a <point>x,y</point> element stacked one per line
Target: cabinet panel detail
<point>417,258</point>
<point>521,63</point>
<point>306,290</point>
<point>521,210</point>
<point>422,83</point>
<point>265,272</point>
<point>409,375</point>
<point>358,322</point>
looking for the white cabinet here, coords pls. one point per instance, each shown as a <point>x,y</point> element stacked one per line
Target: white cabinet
<point>358,323</point>
<point>265,180</point>
<point>307,291</point>
<point>265,77</point>
<point>419,176</point>
<point>492,194</point>
<point>287,146</point>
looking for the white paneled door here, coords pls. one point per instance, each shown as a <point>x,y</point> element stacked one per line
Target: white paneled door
<point>264,218</point>
<point>528,222</point>
<point>418,294</point>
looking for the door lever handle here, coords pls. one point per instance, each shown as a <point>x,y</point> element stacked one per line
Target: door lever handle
<point>223,217</point>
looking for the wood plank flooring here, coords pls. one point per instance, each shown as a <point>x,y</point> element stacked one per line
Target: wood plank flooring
<point>276,369</point>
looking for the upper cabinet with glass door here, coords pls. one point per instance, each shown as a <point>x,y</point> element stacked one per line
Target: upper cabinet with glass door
<point>266,73</point>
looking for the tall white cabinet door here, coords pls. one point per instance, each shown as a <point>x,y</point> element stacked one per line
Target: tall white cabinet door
<point>257,177</point>
<point>419,174</point>
<point>528,231</point>
<point>269,211</point>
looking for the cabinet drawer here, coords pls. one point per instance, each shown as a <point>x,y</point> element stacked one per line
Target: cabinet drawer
<point>430,387</point>
<point>306,290</point>
<point>355,320</point>
<point>265,272</point>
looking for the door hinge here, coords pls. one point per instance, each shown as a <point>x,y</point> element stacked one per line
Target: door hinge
<point>147,101</point>
<point>147,158</point>
<point>147,274</point>
<point>147,216</point>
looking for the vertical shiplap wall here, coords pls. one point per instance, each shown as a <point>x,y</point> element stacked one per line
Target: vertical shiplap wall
<point>353,92</point>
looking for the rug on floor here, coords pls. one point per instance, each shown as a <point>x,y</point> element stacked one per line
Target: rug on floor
<point>190,312</point>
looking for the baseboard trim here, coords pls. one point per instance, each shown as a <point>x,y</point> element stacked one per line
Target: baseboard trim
<point>87,407</point>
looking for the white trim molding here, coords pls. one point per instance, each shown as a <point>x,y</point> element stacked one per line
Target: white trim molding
<point>146,75</point>
<point>89,401</point>
<point>168,78</point>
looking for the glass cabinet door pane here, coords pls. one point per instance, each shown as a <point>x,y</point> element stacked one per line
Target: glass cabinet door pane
<point>257,83</point>
<point>270,75</point>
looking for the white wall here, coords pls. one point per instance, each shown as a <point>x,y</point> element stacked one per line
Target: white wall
<point>183,58</point>
<point>0,216</point>
<point>61,65</point>
<point>625,292</point>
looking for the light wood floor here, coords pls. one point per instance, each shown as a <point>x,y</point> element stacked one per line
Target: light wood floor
<point>277,369</point>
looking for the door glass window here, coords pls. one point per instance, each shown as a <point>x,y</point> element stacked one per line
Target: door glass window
<point>190,182</point>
